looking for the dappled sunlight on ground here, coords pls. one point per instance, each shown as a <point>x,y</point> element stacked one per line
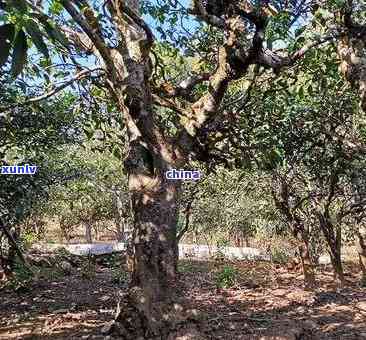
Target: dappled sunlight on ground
<point>264,301</point>
<point>272,302</point>
<point>68,307</point>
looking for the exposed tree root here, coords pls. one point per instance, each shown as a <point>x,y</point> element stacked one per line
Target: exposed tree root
<point>163,321</point>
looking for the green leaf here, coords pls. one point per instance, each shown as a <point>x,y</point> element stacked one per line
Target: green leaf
<point>338,3</point>
<point>19,4</point>
<point>299,31</point>
<point>37,37</point>
<point>54,33</point>
<point>6,38</point>
<point>56,7</point>
<point>301,92</point>
<point>310,89</point>
<point>19,54</point>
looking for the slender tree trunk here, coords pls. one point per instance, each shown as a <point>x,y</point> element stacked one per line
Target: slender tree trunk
<point>335,257</point>
<point>333,236</point>
<point>301,234</point>
<point>65,235</point>
<point>195,237</point>
<point>247,242</point>
<point>120,221</point>
<point>88,232</point>
<point>307,263</point>
<point>361,248</point>
<point>280,194</point>
<point>8,262</point>
<point>120,232</point>
<point>335,244</point>
<point>96,230</point>
<point>237,240</point>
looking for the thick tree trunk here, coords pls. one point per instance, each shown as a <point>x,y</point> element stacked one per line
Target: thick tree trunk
<point>148,310</point>
<point>154,240</point>
<point>154,261</point>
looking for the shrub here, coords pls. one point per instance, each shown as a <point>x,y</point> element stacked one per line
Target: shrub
<point>119,276</point>
<point>363,282</point>
<point>29,238</point>
<point>186,267</point>
<point>279,255</point>
<point>226,277</point>
<point>88,268</point>
<point>221,244</point>
<point>22,276</point>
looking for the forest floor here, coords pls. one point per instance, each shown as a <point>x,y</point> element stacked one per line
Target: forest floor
<point>265,301</point>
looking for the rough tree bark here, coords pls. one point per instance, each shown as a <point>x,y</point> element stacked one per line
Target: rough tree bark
<point>148,306</point>
<point>88,231</point>
<point>151,153</point>
<point>361,249</point>
<point>333,237</point>
<point>154,199</point>
<point>120,218</point>
<point>352,52</point>
<point>307,262</point>
<point>280,194</point>
<point>154,260</point>
<point>8,262</point>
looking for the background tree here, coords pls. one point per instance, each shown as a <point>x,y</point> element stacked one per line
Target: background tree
<point>114,32</point>
<point>317,143</point>
<point>96,195</point>
<point>27,138</point>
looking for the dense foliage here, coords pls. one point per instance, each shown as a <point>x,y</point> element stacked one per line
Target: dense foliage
<point>267,99</point>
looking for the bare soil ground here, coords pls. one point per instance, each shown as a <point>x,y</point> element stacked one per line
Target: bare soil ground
<point>266,302</point>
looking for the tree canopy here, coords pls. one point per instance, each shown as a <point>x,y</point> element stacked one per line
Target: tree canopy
<point>267,98</point>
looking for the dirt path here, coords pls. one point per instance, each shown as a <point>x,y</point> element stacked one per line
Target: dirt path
<point>71,307</point>
<point>269,302</point>
<point>266,302</point>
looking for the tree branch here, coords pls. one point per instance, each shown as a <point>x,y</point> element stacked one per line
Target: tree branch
<point>14,244</point>
<point>185,87</point>
<point>188,211</point>
<point>93,35</point>
<point>271,59</point>
<point>81,75</point>
<point>200,12</point>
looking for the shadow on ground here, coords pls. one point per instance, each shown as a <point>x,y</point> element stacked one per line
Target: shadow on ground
<point>265,301</point>
<point>269,302</point>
